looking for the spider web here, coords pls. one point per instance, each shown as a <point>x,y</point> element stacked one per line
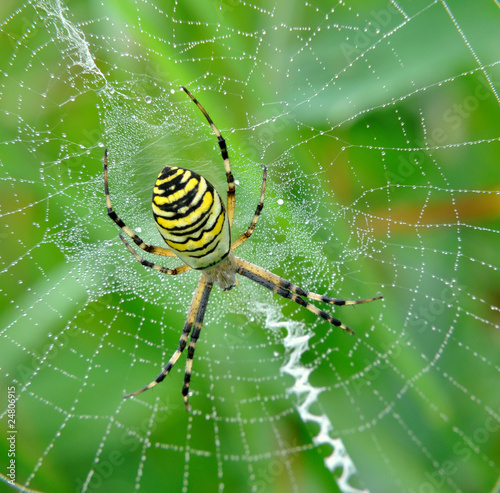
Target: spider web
<point>379,125</point>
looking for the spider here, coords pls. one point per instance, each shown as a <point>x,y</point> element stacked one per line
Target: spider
<point>196,226</point>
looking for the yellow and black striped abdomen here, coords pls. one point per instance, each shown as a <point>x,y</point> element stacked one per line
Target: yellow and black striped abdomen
<point>191,217</point>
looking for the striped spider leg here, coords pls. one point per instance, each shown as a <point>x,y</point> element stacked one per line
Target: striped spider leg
<point>196,226</point>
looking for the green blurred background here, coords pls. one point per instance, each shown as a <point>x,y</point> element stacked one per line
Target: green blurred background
<point>380,130</point>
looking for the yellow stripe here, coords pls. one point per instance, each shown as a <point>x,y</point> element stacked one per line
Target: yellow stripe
<point>205,238</point>
<point>174,197</point>
<point>169,178</point>
<point>205,205</point>
<point>201,190</point>
<point>196,198</point>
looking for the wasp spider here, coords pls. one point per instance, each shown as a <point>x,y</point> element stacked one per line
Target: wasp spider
<point>194,223</point>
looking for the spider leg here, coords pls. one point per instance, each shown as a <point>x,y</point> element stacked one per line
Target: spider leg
<point>255,218</point>
<point>112,214</point>
<point>151,265</point>
<point>231,200</point>
<point>284,288</point>
<point>194,338</point>
<point>199,295</point>
<point>275,279</point>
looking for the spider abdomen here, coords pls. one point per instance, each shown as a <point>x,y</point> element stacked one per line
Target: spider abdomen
<point>191,217</point>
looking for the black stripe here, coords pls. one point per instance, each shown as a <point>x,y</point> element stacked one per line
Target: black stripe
<point>197,238</point>
<point>215,262</point>
<point>112,214</point>
<point>189,211</point>
<point>182,202</point>
<point>217,239</point>
<point>185,201</point>
<point>201,221</point>
<point>169,171</point>
<point>177,216</point>
<point>191,228</point>
<point>173,185</point>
